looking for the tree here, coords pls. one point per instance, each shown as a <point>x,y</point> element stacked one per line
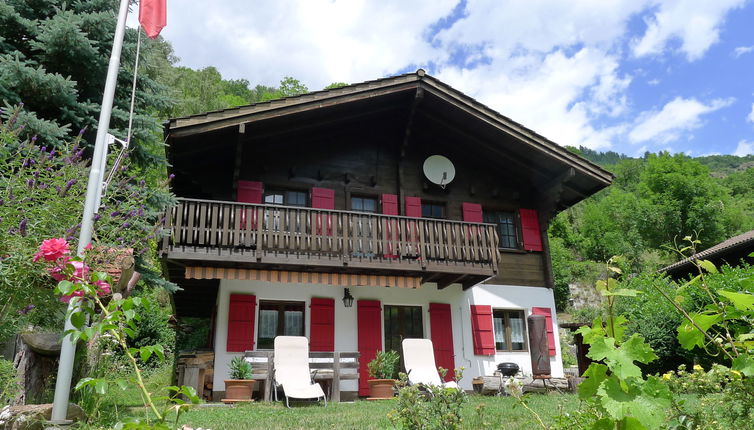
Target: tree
<point>54,57</point>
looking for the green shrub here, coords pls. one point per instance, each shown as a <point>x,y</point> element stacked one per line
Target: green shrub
<point>9,384</point>
<point>428,407</point>
<point>384,364</point>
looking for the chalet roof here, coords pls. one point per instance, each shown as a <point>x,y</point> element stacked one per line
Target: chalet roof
<point>735,244</point>
<point>562,165</point>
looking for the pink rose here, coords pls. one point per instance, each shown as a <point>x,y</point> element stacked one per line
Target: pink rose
<point>103,288</point>
<point>67,298</point>
<point>52,249</point>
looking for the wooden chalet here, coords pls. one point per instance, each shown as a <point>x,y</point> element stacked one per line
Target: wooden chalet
<point>283,204</point>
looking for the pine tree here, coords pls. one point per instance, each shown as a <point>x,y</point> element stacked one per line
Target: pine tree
<point>53,59</point>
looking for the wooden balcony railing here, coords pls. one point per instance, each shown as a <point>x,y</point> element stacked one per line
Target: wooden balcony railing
<point>354,241</point>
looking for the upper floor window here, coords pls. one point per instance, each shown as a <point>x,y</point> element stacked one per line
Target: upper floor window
<point>285,197</point>
<point>433,210</point>
<point>506,227</point>
<point>363,204</point>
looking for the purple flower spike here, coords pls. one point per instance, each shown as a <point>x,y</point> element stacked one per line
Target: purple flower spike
<point>33,139</point>
<point>82,131</point>
<point>22,227</point>
<point>172,176</point>
<point>21,104</point>
<point>43,149</point>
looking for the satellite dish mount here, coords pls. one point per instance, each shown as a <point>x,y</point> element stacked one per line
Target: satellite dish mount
<point>439,170</point>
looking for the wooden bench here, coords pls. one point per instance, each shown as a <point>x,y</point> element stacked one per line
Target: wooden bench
<point>327,367</point>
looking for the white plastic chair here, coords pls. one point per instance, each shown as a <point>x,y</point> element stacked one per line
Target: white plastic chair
<point>419,358</point>
<point>291,363</point>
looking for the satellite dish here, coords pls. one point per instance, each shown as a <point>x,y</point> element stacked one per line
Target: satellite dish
<point>439,170</point>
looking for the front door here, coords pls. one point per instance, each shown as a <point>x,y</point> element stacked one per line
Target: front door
<point>402,322</point>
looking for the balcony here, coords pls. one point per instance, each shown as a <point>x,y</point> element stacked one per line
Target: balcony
<point>277,237</point>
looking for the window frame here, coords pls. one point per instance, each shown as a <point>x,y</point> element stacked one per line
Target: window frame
<point>284,191</point>
<point>508,330</point>
<point>435,204</point>
<point>374,198</point>
<point>516,223</point>
<point>280,330</point>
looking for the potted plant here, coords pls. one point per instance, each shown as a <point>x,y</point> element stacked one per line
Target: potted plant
<point>382,369</point>
<point>240,385</point>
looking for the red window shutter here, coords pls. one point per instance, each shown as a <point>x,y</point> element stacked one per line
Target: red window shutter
<point>481,330</point>
<point>472,212</point>
<point>530,230</point>
<point>249,192</point>
<point>550,328</point>
<point>413,207</point>
<point>441,327</point>
<point>323,198</point>
<point>322,328</point>
<point>390,204</point>
<point>369,317</point>
<point>241,313</point>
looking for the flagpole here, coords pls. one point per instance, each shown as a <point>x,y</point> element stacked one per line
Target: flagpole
<point>93,190</point>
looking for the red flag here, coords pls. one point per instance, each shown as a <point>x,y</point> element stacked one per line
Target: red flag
<point>153,16</point>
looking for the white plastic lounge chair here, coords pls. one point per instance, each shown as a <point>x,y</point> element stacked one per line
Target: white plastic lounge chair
<point>291,363</point>
<point>419,358</point>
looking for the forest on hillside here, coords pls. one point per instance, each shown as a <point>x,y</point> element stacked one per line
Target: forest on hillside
<point>654,203</point>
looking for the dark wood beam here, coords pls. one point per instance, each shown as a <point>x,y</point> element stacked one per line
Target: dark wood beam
<point>233,117</point>
<point>418,97</point>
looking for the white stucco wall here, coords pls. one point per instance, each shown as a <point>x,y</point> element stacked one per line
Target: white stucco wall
<point>498,296</point>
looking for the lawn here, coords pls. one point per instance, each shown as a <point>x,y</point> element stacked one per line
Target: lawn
<point>479,412</point>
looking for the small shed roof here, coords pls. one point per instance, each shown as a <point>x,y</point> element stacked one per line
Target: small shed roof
<point>735,247</point>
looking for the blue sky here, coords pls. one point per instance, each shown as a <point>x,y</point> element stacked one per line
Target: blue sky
<point>628,76</point>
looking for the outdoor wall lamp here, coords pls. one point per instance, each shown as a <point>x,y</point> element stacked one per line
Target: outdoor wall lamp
<point>347,298</point>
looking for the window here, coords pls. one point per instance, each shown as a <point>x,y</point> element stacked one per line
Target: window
<point>433,210</point>
<point>510,330</point>
<point>279,319</point>
<point>402,322</point>
<point>285,197</point>
<point>363,204</point>
<point>506,227</point>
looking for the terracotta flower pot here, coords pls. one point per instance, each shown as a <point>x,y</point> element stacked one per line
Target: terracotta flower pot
<point>381,388</point>
<point>238,389</point>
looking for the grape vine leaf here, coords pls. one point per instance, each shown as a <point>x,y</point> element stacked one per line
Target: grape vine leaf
<point>621,359</point>
<point>742,301</point>
<point>594,374</point>
<point>689,336</point>
<point>744,364</point>
<point>644,403</point>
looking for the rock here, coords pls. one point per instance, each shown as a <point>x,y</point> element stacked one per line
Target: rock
<point>43,343</point>
<point>34,417</point>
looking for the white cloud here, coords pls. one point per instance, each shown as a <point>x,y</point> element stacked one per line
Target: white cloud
<point>556,67</point>
<point>695,23</point>
<point>744,148</point>
<point>741,50</point>
<point>316,41</point>
<point>677,117</point>
<point>750,117</point>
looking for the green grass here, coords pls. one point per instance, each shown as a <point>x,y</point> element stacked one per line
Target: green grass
<point>496,413</point>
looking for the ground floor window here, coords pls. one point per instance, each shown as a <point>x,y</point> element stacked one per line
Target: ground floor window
<point>510,330</point>
<point>279,319</point>
<point>402,322</point>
